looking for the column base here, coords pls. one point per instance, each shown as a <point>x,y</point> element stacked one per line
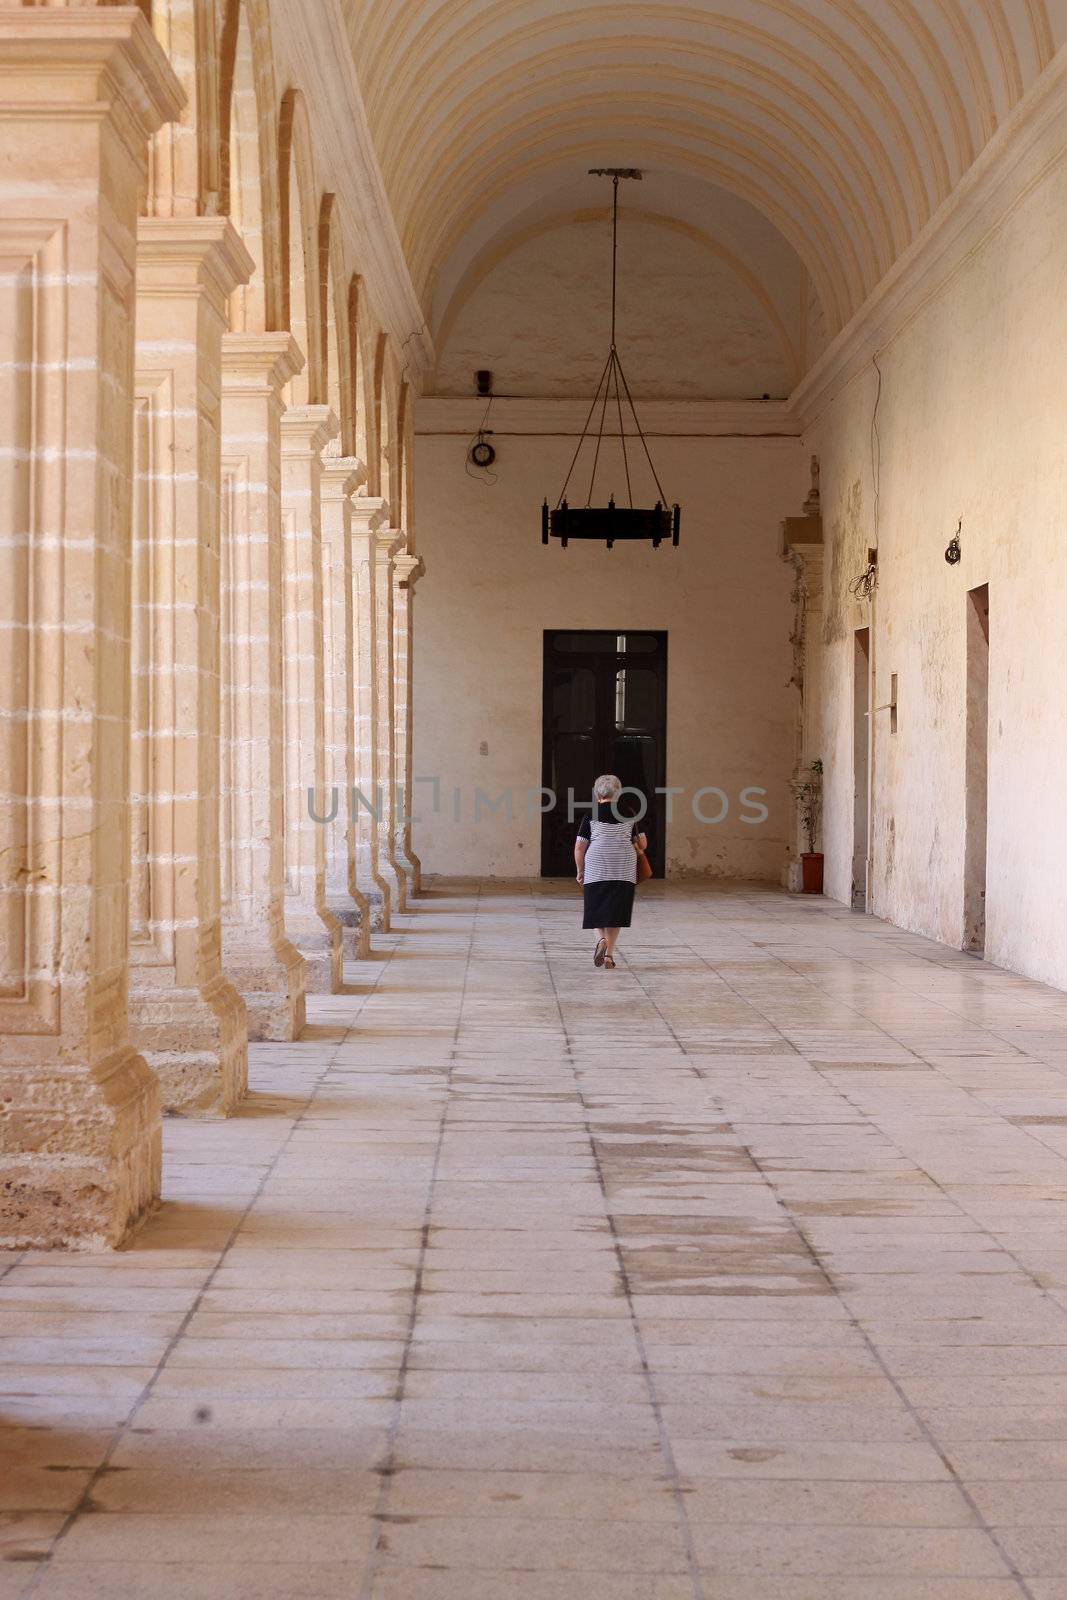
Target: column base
<point>411,867</point>
<point>395,882</point>
<point>269,976</point>
<point>377,907</point>
<point>354,918</point>
<point>371,889</point>
<point>317,936</point>
<point>195,1041</point>
<point>91,1161</point>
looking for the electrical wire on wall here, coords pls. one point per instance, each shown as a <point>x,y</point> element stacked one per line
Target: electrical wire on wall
<point>876,454</point>
<point>865,583</point>
<point>863,586</point>
<point>480,453</point>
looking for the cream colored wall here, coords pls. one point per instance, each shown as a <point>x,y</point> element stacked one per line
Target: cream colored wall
<point>491,589</point>
<point>535,307</point>
<point>972,423</point>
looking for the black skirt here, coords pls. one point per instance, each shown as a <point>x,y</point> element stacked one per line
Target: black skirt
<point>609,904</point>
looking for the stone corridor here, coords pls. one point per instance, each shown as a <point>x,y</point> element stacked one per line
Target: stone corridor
<point>736,1273</point>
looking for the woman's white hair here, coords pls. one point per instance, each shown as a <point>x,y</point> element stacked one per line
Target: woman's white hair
<point>607,787</point>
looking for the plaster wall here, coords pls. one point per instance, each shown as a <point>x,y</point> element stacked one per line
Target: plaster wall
<point>536,311</point>
<point>971,424</point>
<point>491,589</point>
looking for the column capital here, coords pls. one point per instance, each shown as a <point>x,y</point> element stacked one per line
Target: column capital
<point>408,570</point>
<point>86,62</point>
<point>387,542</point>
<point>369,513</point>
<point>180,255</point>
<point>255,362</point>
<point>341,476</point>
<point>306,430</point>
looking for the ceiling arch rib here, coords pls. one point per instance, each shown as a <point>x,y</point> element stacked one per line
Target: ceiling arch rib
<point>467,67</point>
<point>846,122</point>
<point>840,32</point>
<point>705,103</point>
<point>905,61</point>
<point>1003,46</point>
<point>1045,43</point>
<point>744,144</point>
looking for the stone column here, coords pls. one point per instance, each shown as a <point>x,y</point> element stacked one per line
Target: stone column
<point>369,517</point>
<point>388,542</point>
<point>341,476</point>
<point>313,928</point>
<point>406,570</point>
<point>186,1018</point>
<point>263,963</point>
<point>83,90</point>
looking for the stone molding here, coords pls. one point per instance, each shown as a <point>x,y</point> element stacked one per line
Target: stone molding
<point>46,50</point>
<point>370,510</point>
<point>408,570</point>
<point>342,476</point>
<point>463,415</point>
<point>260,363</point>
<point>176,255</point>
<point>307,430</point>
<point>387,544</point>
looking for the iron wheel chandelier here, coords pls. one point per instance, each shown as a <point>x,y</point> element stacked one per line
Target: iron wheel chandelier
<point>611,522</point>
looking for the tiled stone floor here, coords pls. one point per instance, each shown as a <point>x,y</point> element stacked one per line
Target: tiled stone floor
<point>739,1272</point>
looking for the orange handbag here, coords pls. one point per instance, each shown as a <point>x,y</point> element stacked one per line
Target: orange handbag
<point>644,866</point>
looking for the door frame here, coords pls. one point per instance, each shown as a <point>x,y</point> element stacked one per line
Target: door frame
<point>657,805</point>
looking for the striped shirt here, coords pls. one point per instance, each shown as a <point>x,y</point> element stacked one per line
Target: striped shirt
<point>611,857</point>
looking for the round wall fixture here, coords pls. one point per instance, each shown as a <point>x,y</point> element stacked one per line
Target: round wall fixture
<point>954,553</point>
<point>482,453</point>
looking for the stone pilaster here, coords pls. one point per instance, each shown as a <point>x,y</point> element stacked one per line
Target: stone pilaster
<point>263,963</point>
<point>804,549</point>
<point>341,477</point>
<point>388,542</point>
<point>311,925</point>
<point>83,89</point>
<point>407,569</point>
<point>182,162</point>
<point>186,1017</point>
<point>369,516</point>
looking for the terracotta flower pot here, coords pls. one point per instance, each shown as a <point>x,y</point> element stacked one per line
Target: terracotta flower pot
<point>811,867</point>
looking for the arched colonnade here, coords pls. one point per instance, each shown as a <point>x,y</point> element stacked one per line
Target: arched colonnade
<point>208,582</point>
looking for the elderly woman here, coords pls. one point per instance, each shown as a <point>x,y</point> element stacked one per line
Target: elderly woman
<point>605,853</point>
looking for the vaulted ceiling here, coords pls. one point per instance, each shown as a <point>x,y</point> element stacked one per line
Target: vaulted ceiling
<point>844,122</point>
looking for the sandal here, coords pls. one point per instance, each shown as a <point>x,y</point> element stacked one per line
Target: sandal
<point>609,962</point>
<point>600,953</point>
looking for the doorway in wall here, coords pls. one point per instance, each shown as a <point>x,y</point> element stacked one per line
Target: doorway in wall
<point>977,779</point>
<point>605,710</point>
<point>861,766</point>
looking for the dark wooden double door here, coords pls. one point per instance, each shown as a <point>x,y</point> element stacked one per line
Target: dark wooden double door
<point>605,710</point>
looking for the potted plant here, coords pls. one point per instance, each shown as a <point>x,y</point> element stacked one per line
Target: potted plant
<point>807,791</point>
